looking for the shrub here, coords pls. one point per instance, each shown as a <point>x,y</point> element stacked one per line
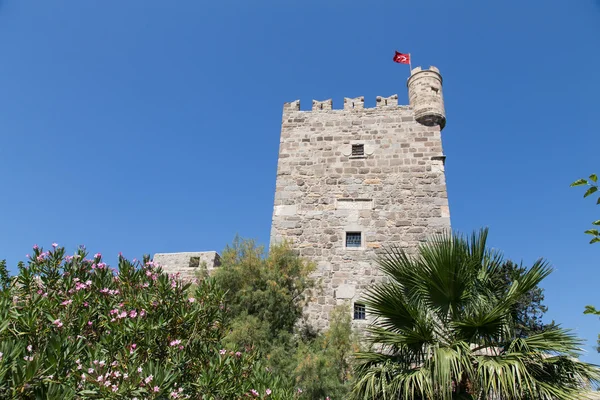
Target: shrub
<point>72,327</point>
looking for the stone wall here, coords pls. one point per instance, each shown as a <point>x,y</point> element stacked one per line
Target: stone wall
<point>188,264</point>
<point>395,193</point>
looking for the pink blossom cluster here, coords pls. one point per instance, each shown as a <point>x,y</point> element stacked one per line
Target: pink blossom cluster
<point>255,393</point>
<point>110,292</point>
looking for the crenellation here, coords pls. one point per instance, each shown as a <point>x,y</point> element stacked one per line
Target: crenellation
<point>322,105</point>
<point>356,103</point>
<point>387,101</point>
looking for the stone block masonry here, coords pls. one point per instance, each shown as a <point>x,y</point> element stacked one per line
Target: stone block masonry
<point>188,264</point>
<point>351,182</point>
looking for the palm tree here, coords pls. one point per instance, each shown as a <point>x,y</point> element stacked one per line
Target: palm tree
<point>445,329</point>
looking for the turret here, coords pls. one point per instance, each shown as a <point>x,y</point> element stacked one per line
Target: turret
<point>426,97</point>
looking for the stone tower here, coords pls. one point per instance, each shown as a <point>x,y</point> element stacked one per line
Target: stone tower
<point>352,181</point>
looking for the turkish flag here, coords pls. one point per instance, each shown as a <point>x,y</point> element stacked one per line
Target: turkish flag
<point>402,58</point>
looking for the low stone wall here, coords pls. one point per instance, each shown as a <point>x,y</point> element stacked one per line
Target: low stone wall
<point>188,264</point>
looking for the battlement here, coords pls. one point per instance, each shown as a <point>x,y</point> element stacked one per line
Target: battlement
<point>356,103</point>
<point>419,69</point>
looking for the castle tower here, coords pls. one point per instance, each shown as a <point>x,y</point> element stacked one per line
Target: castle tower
<point>353,181</point>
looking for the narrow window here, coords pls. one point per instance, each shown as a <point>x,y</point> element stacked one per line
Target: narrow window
<point>358,149</point>
<point>353,239</point>
<point>360,311</point>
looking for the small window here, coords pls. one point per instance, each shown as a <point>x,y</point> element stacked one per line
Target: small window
<point>358,149</point>
<point>360,311</point>
<point>353,239</point>
<point>194,262</point>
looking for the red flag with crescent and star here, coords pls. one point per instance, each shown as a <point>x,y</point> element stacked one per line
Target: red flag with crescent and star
<point>402,58</point>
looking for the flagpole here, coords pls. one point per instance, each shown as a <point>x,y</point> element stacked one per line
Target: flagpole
<point>409,64</point>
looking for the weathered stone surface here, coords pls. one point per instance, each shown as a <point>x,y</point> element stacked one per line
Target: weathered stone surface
<point>395,194</point>
<point>188,264</point>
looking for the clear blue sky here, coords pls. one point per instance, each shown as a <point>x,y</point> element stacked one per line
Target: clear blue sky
<point>149,126</point>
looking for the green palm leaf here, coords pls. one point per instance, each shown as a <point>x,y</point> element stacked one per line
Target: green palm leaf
<point>445,329</point>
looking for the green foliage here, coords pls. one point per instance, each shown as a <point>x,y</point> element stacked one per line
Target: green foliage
<point>265,293</point>
<point>592,310</point>
<point>447,330</point>
<point>71,327</point>
<point>592,184</point>
<point>4,275</point>
<point>529,309</point>
<point>323,366</point>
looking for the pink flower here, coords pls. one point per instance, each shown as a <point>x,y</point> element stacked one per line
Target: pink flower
<point>58,323</point>
<point>222,351</point>
<point>139,369</point>
<point>66,302</point>
<point>132,314</point>
<point>90,323</point>
<point>148,379</point>
<point>55,245</point>
<point>90,370</point>
<point>97,255</point>
<point>191,299</point>
<point>29,348</point>
<point>238,354</point>
<point>114,388</point>
<point>156,389</point>
<point>35,247</point>
<point>142,313</point>
<point>174,342</point>
<point>83,377</point>
<point>254,393</point>
<point>105,290</point>
<point>268,392</point>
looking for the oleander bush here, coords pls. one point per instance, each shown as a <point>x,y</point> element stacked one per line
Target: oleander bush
<point>71,327</point>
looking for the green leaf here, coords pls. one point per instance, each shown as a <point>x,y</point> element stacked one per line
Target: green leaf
<point>597,222</point>
<point>591,310</point>
<point>579,182</point>
<point>594,178</point>
<point>595,240</point>
<point>592,232</point>
<point>590,191</point>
